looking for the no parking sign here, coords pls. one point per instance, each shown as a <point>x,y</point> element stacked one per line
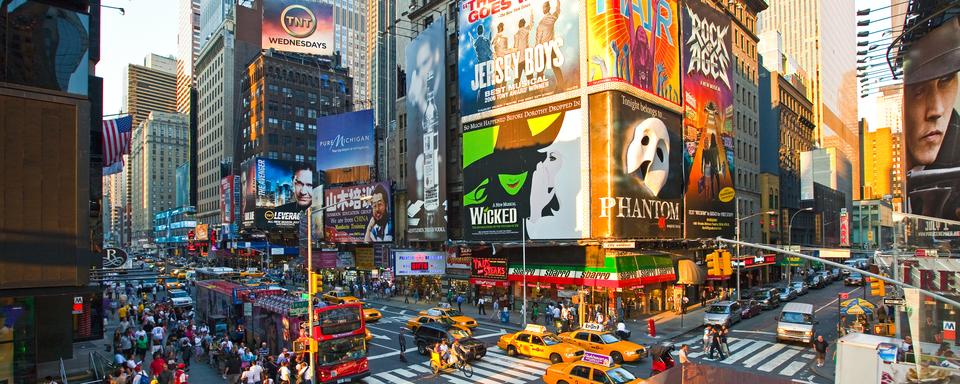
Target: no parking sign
<point>949,330</point>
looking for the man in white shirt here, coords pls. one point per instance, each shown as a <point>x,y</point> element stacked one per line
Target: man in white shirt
<point>157,333</point>
<point>683,354</point>
<point>285,372</point>
<point>255,371</point>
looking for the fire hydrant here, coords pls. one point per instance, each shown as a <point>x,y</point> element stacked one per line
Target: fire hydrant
<point>651,328</point>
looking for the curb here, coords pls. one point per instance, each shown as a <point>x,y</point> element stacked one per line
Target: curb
<point>817,371</point>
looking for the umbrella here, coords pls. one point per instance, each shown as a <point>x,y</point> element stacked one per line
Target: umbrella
<point>856,307</point>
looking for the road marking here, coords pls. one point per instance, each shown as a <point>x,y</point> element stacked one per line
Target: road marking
<point>454,380</point>
<point>755,332</point>
<point>793,368</point>
<point>392,379</point>
<point>383,346</point>
<point>780,359</point>
<point>421,368</point>
<point>372,380</point>
<point>749,363</point>
<point>380,356</point>
<point>744,352</point>
<point>514,365</point>
<point>495,368</point>
<point>510,361</point>
<point>835,300</point>
<point>499,377</point>
<point>501,333</point>
<point>382,329</point>
<point>404,372</point>
<point>403,312</point>
<point>691,340</point>
<point>808,356</point>
<point>524,359</point>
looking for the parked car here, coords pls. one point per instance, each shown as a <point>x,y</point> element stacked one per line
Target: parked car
<point>827,277</point>
<point>787,294</point>
<point>749,308</point>
<point>768,298</point>
<point>835,273</point>
<point>429,334</point>
<point>816,281</point>
<point>722,313</point>
<point>855,278</point>
<point>800,287</point>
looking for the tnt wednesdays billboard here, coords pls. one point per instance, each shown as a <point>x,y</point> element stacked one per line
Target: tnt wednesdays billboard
<point>636,172</point>
<point>345,140</point>
<point>275,193</point>
<point>298,26</point>
<point>637,43</point>
<point>427,135</point>
<point>708,122</point>
<point>351,219</point>
<point>525,166</point>
<point>514,51</point>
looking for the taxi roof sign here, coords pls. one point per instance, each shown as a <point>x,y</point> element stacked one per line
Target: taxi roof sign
<point>598,359</point>
<point>592,327</point>
<point>535,328</point>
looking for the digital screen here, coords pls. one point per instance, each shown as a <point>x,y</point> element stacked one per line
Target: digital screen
<point>419,263</point>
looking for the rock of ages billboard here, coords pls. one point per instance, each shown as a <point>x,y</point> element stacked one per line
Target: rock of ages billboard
<point>525,166</point>
<point>708,122</point>
<point>275,193</point>
<point>636,172</point>
<point>513,51</point>
<point>636,42</point>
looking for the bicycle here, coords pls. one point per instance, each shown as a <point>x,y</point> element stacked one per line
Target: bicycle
<point>437,364</point>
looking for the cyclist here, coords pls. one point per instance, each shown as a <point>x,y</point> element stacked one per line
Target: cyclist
<point>457,352</point>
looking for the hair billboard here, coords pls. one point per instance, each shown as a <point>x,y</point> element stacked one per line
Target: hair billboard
<point>352,217</point>
<point>427,135</point>
<point>708,122</point>
<point>514,51</point>
<point>636,171</point>
<point>298,26</point>
<point>276,193</point>
<point>521,167</point>
<point>639,45</point>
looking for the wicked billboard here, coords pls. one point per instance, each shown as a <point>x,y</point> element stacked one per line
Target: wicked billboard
<point>521,167</point>
<point>275,193</point>
<point>514,51</point>
<point>708,122</point>
<point>636,172</point>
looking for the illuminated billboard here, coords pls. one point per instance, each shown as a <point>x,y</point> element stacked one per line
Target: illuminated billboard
<point>525,167</point>
<point>345,140</point>
<point>419,263</point>
<point>226,200</point>
<point>636,171</point>
<point>708,122</point>
<point>298,26</point>
<point>516,51</point>
<point>639,45</point>
<point>275,193</point>
<point>352,218</point>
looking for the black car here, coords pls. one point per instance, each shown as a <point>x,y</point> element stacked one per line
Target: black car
<point>431,333</point>
<point>768,298</point>
<point>816,281</point>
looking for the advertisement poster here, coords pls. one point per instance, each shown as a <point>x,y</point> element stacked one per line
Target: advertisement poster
<point>489,268</point>
<point>345,140</point>
<point>525,167</point>
<point>364,258</point>
<point>419,263</point>
<point>639,45</point>
<point>427,135</point>
<point>298,26</point>
<point>844,228</point>
<point>345,260</point>
<point>636,173</point>
<point>514,51</point>
<point>226,200</point>
<point>316,215</point>
<point>201,232</point>
<point>183,185</point>
<point>324,259</point>
<point>276,193</point>
<point>349,218</point>
<point>708,122</point>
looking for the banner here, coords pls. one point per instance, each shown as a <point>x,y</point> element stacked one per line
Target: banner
<point>639,45</point>
<point>345,260</point>
<point>844,228</point>
<point>364,258</point>
<point>417,263</point>
<point>201,232</point>
<point>298,26</point>
<point>525,166</point>
<point>275,193</point>
<point>226,199</point>
<point>345,140</point>
<point>708,122</point>
<point>636,172</point>
<point>427,135</point>
<point>511,52</point>
<point>183,185</point>
<point>349,218</point>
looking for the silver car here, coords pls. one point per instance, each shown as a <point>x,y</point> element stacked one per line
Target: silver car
<point>722,313</point>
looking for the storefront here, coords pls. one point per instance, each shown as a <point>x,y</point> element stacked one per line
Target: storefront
<point>488,275</point>
<point>419,273</point>
<point>756,271</point>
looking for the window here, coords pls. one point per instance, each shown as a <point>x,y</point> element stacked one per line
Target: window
<point>300,126</point>
<point>535,340</point>
<point>524,338</point>
<point>595,339</point>
<point>581,371</point>
<point>601,377</point>
<point>582,336</point>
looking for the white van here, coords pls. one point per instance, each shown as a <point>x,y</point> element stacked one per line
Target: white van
<point>796,323</point>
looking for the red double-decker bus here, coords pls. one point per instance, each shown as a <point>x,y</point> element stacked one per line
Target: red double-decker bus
<point>340,333</point>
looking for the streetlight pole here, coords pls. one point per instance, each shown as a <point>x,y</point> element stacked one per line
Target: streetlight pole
<point>523,236</point>
<point>790,240</point>
<point>739,220</point>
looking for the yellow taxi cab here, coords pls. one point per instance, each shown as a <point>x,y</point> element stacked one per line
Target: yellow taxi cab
<point>593,368</point>
<point>454,315</point>
<point>370,313</point>
<point>172,284</point>
<point>368,336</point>
<point>592,338</point>
<point>339,297</point>
<point>252,273</point>
<point>175,273</point>
<point>433,317</point>
<point>535,341</point>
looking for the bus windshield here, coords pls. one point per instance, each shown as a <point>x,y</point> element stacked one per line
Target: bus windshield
<point>341,350</point>
<point>336,320</point>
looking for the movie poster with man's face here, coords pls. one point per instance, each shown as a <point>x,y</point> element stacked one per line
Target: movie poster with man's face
<point>276,193</point>
<point>525,167</point>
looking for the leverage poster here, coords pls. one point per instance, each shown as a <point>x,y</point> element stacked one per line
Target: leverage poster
<point>525,166</point>
<point>514,51</point>
<point>708,122</point>
<point>636,172</point>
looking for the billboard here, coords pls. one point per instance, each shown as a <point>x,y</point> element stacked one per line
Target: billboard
<point>345,140</point>
<point>636,172</point>
<point>708,122</point>
<point>298,26</point>
<point>427,135</point>
<point>364,258</point>
<point>275,193</point>
<point>637,43</point>
<point>183,185</point>
<point>512,52</point>
<point>525,166</point>
<point>226,199</point>
<point>419,263</point>
<point>844,228</point>
<point>351,219</point>
<point>201,232</point>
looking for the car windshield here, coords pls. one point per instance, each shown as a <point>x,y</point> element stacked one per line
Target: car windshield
<point>761,295</point>
<point>454,312</point>
<point>446,320</point>
<point>341,350</point>
<point>179,294</point>
<point>551,340</point>
<point>458,333</point>
<point>608,338</point>
<point>856,275</point>
<point>718,309</point>
<point>620,375</point>
<point>796,318</point>
<point>798,285</point>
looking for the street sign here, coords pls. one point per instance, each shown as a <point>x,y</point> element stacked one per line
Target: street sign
<point>619,245</point>
<point>949,330</point>
<point>299,308</point>
<point>894,301</point>
<point>78,305</point>
<point>844,295</point>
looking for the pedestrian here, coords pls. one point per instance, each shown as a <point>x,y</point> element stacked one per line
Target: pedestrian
<point>402,339</point>
<point>706,338</point>
<point>496,310</point>
<point>535,315</point>
<point>480,309</point>
<point>181,376</point>
<point>820,346</point>
<point>305,374</point>
<point>683,354</point>
<point>460,300</point>
<point>283,375</point>
<point>724,332</point>
<point>715,344</point>
<point>232,371</point>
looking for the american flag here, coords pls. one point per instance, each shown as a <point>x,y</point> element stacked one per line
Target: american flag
<point>116,139</point>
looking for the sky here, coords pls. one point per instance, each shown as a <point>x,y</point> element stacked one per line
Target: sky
<point>149,26</point>
<point>866,108</point>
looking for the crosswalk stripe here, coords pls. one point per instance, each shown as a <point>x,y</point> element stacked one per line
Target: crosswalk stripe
<point>793,368</point>
<point>745,352</point>
<point>756,359</point>
<point>777,361</point>
<point>392,379</point>
<point>513,360</point>
<point>495,368</point>
<point>404,372</point>
<point>372,380</point>
<point>499,377</point>
<point>420,368</point>
<point>454,380</point>
<point>692,340</point>
<point>514,365</point>
<point>524,360</point>
<point>808,356</point>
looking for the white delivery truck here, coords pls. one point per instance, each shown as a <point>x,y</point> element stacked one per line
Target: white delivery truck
<point>857,359</point>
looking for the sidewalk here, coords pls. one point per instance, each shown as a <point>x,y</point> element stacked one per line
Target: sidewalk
<point>829,369</point>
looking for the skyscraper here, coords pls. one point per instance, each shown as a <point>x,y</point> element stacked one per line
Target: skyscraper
<point>878,157</point>
<point>158,146</point>
<point>188,47</point>
<point>151,87</point>
<point>350,25</point>
<point>821,36</point>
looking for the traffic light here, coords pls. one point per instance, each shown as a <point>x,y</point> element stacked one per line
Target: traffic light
<point>713,264</point>
<point>725,265</point>
<point>317,280</point>
<point>877,288</point>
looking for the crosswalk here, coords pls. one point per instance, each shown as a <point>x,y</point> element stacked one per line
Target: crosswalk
<point>761,355</point>
<point>494,368</point>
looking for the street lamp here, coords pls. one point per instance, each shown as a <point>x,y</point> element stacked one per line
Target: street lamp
<point>790,240</point>
<point>740,219</point>
<point>310,286</point>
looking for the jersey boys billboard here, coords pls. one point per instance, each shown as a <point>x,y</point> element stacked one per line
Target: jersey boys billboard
<point>636,172</point>
<point>298,26</point>
<point>636,42</point>
<point>513,51</point>
<point>708,122</point>
<point>525,166</point>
